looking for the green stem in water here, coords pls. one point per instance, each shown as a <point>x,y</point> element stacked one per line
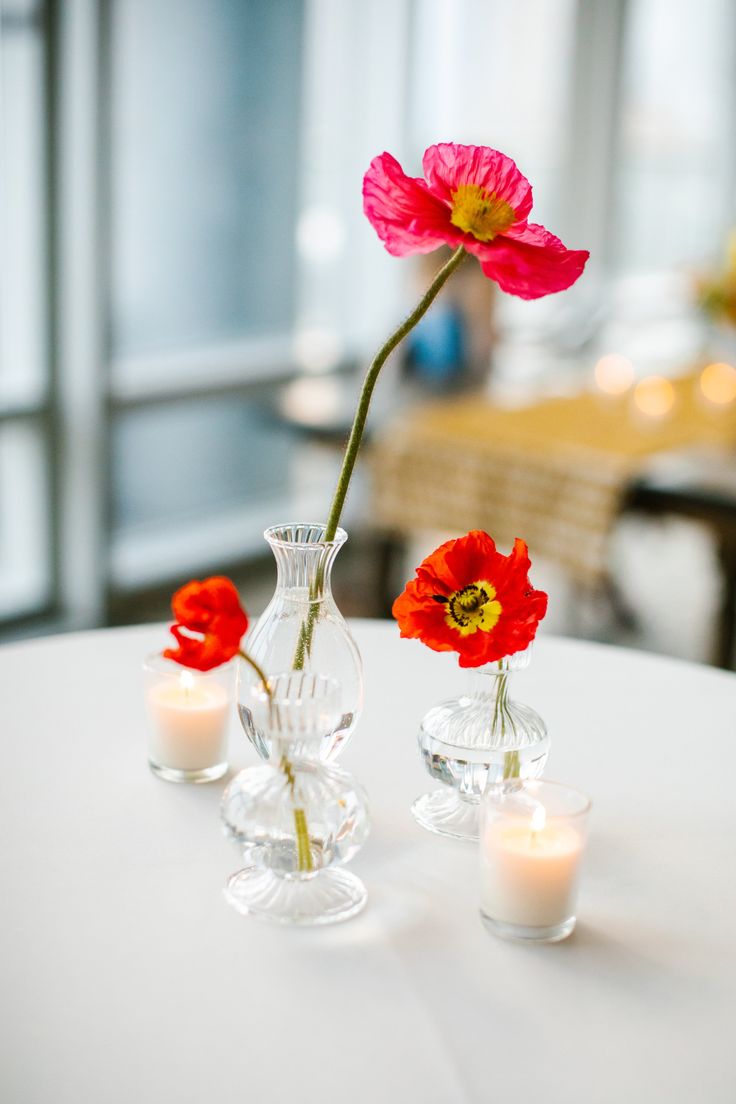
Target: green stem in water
<point>499,704</point>
<point>306,630</point>
<point>303,850</point>
<point>511,761</point>
<point>511,765</point>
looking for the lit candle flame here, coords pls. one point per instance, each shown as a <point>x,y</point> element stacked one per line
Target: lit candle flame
<point>186,681</point>
<point>539,819</point>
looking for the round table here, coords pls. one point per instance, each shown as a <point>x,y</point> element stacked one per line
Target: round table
<point>126,977</point>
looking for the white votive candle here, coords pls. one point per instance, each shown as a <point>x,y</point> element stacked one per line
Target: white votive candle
<point>188,722</point>
<point>531,844</point>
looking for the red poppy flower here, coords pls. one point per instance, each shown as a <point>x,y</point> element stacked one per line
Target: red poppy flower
<point>475,197</point>
<point>469,598</point>
<point>210,623</point>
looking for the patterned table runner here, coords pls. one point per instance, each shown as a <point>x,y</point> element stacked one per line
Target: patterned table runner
<point>556,472</point>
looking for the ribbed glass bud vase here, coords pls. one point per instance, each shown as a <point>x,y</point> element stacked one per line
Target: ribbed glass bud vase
<point>473,741</point>
<point>303,629</point>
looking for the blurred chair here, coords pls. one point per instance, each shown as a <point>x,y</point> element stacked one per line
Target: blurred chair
<point>701,488</point>
<point>558,472</point>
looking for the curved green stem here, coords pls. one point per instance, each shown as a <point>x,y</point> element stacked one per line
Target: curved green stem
<point>306,629</point>
<point>356,433</point>
<point>252,663</point>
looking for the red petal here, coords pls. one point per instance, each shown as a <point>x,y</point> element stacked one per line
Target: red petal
<point>437,572</point>
<point>200,654</point>
<point>456,564</point>
<point>447,165</point>
<point>212,610</point>
<point>191,607</point>
<point>474,557</point>
<point>403,212</point>
<point>211,606</point>
<point>531,262</point>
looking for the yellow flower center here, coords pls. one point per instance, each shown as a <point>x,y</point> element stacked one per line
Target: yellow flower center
<point>480,214</point>
<point>472,608</point>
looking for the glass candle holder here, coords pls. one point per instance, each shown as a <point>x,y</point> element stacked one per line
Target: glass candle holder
<point>188,718</point>
<point>532,840</point>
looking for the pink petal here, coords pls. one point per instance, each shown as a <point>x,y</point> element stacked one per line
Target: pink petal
<point>402,211</point>
<point>447,165</point>
<point>531,262</point>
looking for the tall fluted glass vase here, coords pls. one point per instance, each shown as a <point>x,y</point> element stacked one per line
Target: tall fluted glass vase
<point>303,629</point>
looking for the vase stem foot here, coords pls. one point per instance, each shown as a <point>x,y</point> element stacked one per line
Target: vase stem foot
<point>446,814</point>
<point>326,897</point>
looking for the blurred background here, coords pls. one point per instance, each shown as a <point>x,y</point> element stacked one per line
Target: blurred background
<point>190,293</point>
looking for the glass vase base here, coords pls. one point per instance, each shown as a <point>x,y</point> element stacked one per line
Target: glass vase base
<point>323,898</point>
<point>518,933</point>
<point>196,777</point>
<point>445,813</point>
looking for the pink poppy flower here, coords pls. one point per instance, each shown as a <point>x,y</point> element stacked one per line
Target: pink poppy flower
<point>474,197</point>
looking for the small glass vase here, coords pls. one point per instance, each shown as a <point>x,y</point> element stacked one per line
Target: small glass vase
<point>303,628</point>
<point>296,819</point>
<point>475,740</point>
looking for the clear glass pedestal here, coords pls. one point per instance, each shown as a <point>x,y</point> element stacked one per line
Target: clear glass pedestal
<point>296,819</point>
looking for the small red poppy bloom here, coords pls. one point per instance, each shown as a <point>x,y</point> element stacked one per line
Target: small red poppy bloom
<point>210,623</point>
<point>475,197</point>
<point>469,598</point>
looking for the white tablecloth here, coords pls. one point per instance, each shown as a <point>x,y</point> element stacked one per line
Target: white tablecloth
<point>126,978</point>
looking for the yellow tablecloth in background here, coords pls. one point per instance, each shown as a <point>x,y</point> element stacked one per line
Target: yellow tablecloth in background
<point>555,472</point>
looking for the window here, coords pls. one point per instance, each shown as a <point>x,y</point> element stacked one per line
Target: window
<point>181,235</point>
<point>203,128</point>
<point>147,447</point>
<point>204,125</point>
<point>26,562</point>
<point>676,165</point>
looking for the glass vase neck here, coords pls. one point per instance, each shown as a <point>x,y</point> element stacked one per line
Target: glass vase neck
<point>490,682</point>
<point>303,557</point>
<point>487,685</point>
<point>290,750</point>
<point>492,672</point>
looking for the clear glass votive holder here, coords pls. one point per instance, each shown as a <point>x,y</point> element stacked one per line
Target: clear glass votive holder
<point>188,719</point>
<point>532,840</point>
